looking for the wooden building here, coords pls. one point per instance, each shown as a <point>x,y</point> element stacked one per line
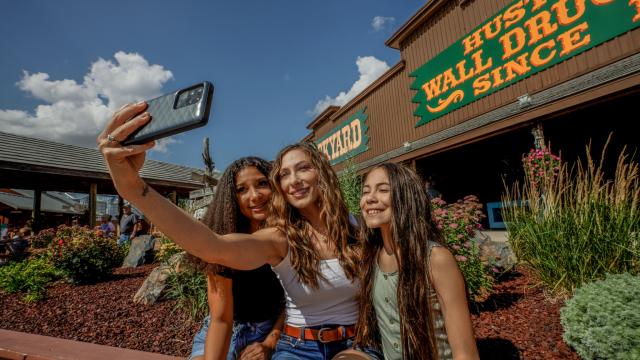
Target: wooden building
<point>478,79</point>
<point>40,165</point>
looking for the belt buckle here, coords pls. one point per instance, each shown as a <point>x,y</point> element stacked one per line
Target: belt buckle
<point>320,335</point>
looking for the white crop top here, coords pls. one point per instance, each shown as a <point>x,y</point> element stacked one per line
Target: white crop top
<point>333,302</point>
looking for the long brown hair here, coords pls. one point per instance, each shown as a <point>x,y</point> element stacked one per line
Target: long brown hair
<point>411,227</point>
<point>223,215</point>
<point>333,215</point>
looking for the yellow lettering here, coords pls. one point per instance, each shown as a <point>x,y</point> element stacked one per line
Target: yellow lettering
<point>497,77</point>
<point>537,4</point>
<point>497,24</point>
<point>536,60</point>
<point>540,26</point>
<point>472,42</point>
<point>601,2</point>
<point>338,149</point>
<point>346,138</point>
<point>562,13</point>
<point>432,88</point>
<point>635,3</point>
<point>508,46</point>
<point>356,131</point>
<point>519,66</point>
<point>479,66</point>
<point>481,85</point>
<point>513,14</point>
<point>570,40</point>
<point>449,80</point>
<point>462,72</point>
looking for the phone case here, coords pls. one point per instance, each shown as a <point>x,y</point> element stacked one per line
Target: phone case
<point>168,120</point>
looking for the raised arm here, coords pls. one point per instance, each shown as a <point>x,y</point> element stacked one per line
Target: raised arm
<point>239,251</point>
<point>449,285</point>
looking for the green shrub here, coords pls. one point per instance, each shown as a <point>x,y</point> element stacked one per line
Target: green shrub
<point>85,256</point>
<point>576,225</point>
<point>351,186</point>
<point>167,249</point>
<point>189,287</point>
<point>602,319</point>
<point>458,223</point>
<point>30,277</point>
<point>43,238</point>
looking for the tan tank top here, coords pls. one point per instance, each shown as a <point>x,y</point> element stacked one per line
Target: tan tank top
<point>385,302</point>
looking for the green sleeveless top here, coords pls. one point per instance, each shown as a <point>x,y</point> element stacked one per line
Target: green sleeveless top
<point>385,302</point>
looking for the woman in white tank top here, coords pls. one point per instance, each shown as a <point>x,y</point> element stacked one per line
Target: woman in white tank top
<point>308,242</point>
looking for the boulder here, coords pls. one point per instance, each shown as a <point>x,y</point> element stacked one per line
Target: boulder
<point>497,251</point>
<point>155,283</point>
<point>140,252</point>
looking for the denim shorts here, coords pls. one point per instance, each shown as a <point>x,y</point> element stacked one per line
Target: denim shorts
<point>292,348</point>
<point>244,334</point>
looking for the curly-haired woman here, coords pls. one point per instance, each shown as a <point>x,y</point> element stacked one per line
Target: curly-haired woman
<point>238,327</point>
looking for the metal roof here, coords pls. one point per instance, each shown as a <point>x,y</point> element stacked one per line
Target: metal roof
<point>21,152</point>
<point>23,200</point>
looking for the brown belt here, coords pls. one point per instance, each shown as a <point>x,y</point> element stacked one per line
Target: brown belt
<point>324,335</point>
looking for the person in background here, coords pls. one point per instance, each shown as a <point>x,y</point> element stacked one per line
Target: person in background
<point>107,227</point>
<point>140,228</point>
<point>127,225</point>
<point>429,186</point>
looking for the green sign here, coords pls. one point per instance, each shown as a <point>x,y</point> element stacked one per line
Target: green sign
<point>523,39</point>
<point>346,140</point>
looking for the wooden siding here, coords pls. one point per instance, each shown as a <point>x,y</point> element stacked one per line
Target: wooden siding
<point>390,110</point>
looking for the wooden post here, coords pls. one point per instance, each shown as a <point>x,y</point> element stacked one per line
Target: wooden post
<point>538,136</point>
<point>174,197</point>
<point>93,192</point>
<point>36,214</point>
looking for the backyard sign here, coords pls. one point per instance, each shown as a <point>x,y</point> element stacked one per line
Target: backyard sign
<point>346,140</point>
<point>523,39</point>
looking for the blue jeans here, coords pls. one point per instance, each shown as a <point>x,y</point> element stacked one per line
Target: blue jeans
<point>244,334</point>
<point>123,239</point>
<point>292,348</point>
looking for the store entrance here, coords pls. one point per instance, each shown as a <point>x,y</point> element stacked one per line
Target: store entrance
<point>484,167</point>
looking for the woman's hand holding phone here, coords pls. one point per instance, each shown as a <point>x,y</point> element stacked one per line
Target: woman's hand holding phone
<point>124,162</point>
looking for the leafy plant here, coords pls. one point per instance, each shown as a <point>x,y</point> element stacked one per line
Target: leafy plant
<point>458,223</point>
<point>85,256</point>
<point>601,320</point>
<point>351,186</point>
<point>577,225</point>
<point>42,239</point>
<point>167,249</point>
<point>30,277</point>
<point>189,287</point>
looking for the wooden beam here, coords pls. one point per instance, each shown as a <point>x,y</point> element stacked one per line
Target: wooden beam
<point>36,215</point>
<point>93,204</point>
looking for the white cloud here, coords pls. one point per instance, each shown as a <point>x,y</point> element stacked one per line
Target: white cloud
<point>369,68</point>
<point>381,22</point>
<point>75,113</point>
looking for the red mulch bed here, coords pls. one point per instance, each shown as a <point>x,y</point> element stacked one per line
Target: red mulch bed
<point>516,322</point>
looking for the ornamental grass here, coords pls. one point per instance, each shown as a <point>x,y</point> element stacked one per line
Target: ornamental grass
<point>576,224</point>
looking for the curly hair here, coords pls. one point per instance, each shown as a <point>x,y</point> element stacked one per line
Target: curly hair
<point>411,227</point>
<point>333,215</point>
<point>223,215</point>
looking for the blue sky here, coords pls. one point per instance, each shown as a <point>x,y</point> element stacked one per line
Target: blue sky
<point>66,65</point>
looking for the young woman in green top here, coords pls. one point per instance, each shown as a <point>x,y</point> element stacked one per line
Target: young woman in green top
<point>412,298</point>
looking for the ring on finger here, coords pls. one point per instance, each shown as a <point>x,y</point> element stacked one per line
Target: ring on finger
<point>112,139</point>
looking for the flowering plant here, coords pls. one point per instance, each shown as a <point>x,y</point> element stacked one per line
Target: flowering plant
<point>42,239</point>
<point>458,223</point>
<point>541,164</point>
<point>83,254</point>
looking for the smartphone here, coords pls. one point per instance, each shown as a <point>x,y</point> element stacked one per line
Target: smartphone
<point>173,113</point>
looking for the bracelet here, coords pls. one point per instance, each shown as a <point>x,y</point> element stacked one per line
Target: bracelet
<point>145,189</point>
